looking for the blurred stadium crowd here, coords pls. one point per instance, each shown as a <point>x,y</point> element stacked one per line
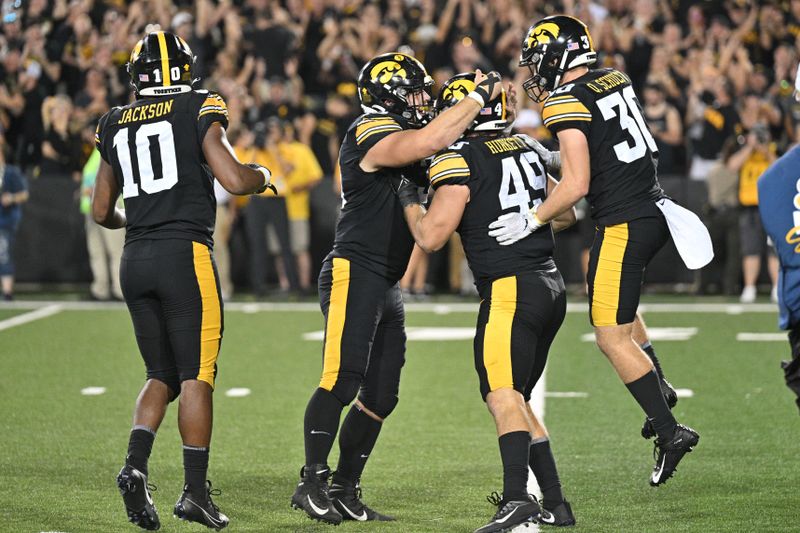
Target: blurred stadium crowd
<point>716,79</point>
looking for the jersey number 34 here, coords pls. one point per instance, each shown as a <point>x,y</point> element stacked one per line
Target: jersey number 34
<point>167,161</point>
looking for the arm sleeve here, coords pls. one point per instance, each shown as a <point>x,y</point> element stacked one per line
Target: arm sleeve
<point>371,129</point>
<point>213,109</point>
<point>563,112</point>
<point>448,168</point>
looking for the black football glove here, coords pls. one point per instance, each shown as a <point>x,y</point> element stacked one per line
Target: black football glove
<point>483,91</point>
<point>267,177</point>
<point>407,192</point>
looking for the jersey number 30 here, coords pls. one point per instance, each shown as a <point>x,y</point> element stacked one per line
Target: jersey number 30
<point>148,181</point>
<point>630,120</point>
<point>534,176</point>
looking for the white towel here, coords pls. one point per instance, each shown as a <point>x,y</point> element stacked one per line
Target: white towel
<point>689,234</point>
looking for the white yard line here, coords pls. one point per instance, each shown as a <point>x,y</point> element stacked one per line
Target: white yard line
<point>39,313</point>
<point>762,337</point>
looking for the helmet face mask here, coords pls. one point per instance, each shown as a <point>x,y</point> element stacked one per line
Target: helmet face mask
<point>161,64</point>
<point>551,47</point>
<point>396,83</point>
<point>492,118</point>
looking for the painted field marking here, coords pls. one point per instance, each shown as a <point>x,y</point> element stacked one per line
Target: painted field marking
<point>761,337</point>
<point>93,391</point>
<point>658,334</point>
<point>43,312</point>
<point>417,334</point>
<point>568,394</point>
<point>237,392</point>
<point>684,393</point>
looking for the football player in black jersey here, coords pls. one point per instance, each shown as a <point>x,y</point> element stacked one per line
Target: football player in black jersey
<point>364,347</point>
<point>523,300</point>
<point>162,153</point>
<point>608,155</point>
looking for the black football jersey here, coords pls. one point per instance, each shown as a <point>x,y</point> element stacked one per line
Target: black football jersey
<point>372,230</point>
<point>503,176</point>
<point>155,148</point>
<point>623,152</point>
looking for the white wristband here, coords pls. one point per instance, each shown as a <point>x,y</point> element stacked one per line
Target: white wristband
<point>266,173</point>
<point>478,98</point>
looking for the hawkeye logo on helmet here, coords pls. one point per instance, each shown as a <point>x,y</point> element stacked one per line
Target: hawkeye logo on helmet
<point>458,90</point>
<point>384,71</point>
<point>542,34</point>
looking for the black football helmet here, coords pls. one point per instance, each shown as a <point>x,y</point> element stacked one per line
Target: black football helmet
<point>393,83</point>
<point>493,117</point>
<point>551,47</point>
<point>161,64</point>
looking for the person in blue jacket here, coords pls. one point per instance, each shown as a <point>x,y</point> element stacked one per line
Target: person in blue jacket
<point>779,204</point>
<point>13,193</point>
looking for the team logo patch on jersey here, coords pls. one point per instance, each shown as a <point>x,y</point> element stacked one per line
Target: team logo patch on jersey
<point>542,34</point>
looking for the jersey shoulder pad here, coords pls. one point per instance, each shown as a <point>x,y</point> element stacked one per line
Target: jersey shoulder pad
<point>371,124</point>
<point>210,103</point>
<point>569,103</point>
<point>450,166</point>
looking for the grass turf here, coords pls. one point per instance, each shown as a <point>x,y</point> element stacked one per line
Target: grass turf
<point>437,457</point>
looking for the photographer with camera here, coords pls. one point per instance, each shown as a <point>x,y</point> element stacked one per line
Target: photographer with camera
<point>756,154</point>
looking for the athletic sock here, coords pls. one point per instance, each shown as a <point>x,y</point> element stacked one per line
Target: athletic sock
<point>195,469</point>
<point>320,425</point>
<point>647,391</point>
<point>543,465</point>
<point>651,353</point>
<point>356,439</point>
<point>514,450</point>
<point>140,445</point>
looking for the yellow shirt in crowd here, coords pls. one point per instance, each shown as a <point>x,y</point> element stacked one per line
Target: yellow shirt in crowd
<point>752,169</point>
<point>305,172</point>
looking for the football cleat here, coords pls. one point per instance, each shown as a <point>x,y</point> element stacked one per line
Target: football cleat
<point>136,496</point>
<point>560,515</point>
<point>346,499</point>
<point>200,509</point>
<point>669,454</point>
<point>511,514</point>
<point>671,397</point>
<point>311,495</point>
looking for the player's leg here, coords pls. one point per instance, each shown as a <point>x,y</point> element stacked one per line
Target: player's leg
<point>190,295</point>
<point>138,276</point>
<point>503,349</point>
<point>556,509</point>
<point>376,401</point>
<point>639,333</point>
<point>352,300</point>
<point>617,261</point>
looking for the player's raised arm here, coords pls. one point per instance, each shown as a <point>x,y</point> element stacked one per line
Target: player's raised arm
<point>235,177</point>
<point>408,146</point>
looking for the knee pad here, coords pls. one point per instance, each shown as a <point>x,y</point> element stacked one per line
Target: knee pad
<point>382,406</point>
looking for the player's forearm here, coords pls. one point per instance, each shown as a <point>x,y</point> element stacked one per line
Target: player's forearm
<point>426,235</point>
<point>447,127</point>
<point>114,219</point>
<point>564,220</point>
<point>564,196</point>
<point>248,181</point>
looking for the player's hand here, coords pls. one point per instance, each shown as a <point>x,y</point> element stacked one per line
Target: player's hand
<point>267,178</point>
<point>551,159</point>
<point>407,192</point>
<point>513,227</point>
<point>487,87</point>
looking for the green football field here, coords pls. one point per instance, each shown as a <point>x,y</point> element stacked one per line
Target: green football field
<point>437,457</point>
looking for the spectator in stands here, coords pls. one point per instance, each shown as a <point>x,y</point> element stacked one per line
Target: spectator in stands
<point>711,106</point>
<point>304,174</point>
<point>104,245</point>
<point>414,280</point>
<point>665,123</point>
<point>13,193</point>
<point>61,146</point>
<point>750,161</point>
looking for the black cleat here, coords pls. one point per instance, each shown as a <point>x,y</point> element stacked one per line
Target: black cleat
<point>511,514</point>
<point>311,495</point>
<point>136,496</point>
<point>346,499</point>
<point>560,515</point>
<point>671,397</point>
<point>669,454</point>
<point>200,509</point>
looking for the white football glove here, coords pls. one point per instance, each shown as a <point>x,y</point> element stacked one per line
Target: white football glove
<point>513,227</point>
<point>551,159</point>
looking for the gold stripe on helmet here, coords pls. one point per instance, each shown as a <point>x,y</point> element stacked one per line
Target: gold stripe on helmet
<point>162,46</point>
